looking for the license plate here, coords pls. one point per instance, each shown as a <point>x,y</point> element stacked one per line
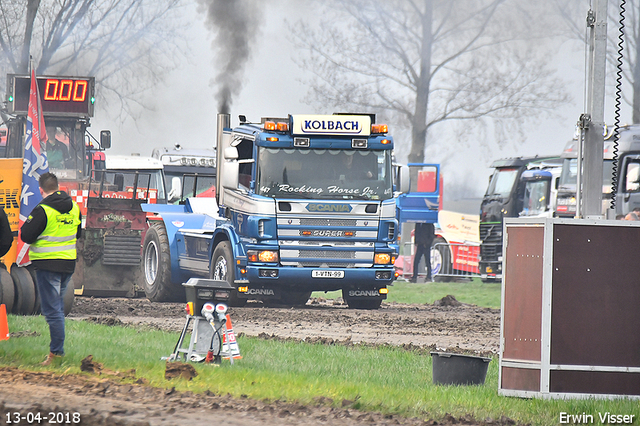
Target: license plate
<point>327,274</point>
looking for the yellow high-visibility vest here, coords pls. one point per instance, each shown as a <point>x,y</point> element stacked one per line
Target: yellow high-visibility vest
<point>58,240</point>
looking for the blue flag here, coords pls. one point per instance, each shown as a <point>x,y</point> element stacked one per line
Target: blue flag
<point>34,163</point>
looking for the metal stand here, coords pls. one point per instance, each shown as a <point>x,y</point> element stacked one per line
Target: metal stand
<point>205,337</point>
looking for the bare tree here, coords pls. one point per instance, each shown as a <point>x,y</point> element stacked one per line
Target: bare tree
<point>126,44</point>
<point>431,61</point>
<point>574,14</point>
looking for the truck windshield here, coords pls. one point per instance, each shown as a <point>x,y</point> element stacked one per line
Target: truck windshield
<point>123,180</point>
<point>205,185</point>
<point>535,198</point>
<point>569,174</point>
<point>324,173</point>
<point>502,182</point>
<point>64,150</point>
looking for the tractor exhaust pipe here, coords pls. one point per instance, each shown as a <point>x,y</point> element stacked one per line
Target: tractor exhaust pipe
<point>223,121</point>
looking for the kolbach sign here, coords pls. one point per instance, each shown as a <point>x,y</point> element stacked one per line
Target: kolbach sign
<point>348,125</point>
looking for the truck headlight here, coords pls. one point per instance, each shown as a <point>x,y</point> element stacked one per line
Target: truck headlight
<point>382,258</point>
<point>264,256</point>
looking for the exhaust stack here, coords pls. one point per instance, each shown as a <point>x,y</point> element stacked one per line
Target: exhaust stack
<point>223,122</point>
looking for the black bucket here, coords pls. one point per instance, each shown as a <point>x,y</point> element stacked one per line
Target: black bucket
<point>456,369</point>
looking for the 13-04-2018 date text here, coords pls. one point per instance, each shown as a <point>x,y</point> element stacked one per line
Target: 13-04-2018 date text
<point>50,418</point>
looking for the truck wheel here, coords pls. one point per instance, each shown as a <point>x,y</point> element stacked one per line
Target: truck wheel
<point>69,298</point>
<point>290,299</point>
<point>441,261</point>
<point>25,296</point>
<point>361,302</point>
<point>222,269</point>
<point>8,292</point>
<point>296,298</point>
<point>32,272</point>
<point>156,266</point>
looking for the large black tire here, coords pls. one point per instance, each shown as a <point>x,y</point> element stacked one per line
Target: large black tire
<point>290,298</point>
<point>156,267</point>
<point>69,298</point>
<point>361,302</point>
<point>222,268</point>
<point>440,249</point>
<point>25,297</point>
<point>8,291</point>
<point>32,272</point>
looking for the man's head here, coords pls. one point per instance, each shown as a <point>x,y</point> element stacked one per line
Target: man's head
<point>347,160</point>
<point>48,184</point>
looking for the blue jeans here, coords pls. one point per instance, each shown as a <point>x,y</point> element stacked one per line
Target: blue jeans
<point>51,286</point>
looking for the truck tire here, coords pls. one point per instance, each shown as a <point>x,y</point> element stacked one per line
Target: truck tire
<point>32,272</point>
<point>25,296</point>
<point>8,291</point>
<point>361,302</point>
<point>289,299</point>
<point>156,266</point>
<point>69,298</point>
<point>222,269</point>
<point>442,258</point>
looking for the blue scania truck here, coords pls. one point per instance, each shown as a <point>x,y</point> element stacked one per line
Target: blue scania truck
<point>303,203</point>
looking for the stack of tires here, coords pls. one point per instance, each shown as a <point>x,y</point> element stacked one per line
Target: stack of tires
<point>19,292</point>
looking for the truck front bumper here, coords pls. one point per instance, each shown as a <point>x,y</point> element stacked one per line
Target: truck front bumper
<point>316,279</point>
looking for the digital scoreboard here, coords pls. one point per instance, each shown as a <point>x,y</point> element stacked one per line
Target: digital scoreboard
<point>59,96</point>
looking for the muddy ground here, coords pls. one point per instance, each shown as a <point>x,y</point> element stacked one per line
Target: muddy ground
<point>444,326</point>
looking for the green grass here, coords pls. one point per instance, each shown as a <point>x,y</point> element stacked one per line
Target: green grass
<point>474,292</point>
<point>384,379</point>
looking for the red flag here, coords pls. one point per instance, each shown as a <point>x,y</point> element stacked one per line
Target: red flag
<point>34,163</point>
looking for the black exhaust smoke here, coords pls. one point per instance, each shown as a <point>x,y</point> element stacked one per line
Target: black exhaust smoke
<point>235,24</point>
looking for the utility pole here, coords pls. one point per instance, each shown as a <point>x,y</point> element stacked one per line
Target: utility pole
<point>592,122</point>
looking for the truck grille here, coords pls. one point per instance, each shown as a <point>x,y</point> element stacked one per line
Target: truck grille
<point>326,241</point>
<point>321,221</point>
<point>491,238</point>
<point>328,255</point>
<point>122,250</point>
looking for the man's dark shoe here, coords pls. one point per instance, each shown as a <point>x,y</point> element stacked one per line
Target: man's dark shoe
<point>51,358</point>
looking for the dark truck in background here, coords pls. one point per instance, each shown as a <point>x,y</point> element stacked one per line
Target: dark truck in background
<point>504,198</point>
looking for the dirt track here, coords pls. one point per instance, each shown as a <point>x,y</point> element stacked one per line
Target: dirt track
<point>454,327</point>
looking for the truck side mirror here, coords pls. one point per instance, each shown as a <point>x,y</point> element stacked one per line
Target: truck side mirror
<point>105,139</point>
<point>231,153</point>
<point>229,178</point>
<point>404,179</point>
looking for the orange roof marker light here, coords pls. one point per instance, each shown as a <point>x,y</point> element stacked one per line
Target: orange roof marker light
<point>272,126</point>
<point>379,128</point>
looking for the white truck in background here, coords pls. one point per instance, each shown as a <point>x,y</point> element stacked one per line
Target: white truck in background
<point>182,166</point>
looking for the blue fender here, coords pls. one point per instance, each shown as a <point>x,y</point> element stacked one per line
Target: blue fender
<point>226,231</point>
<point>176,218</point>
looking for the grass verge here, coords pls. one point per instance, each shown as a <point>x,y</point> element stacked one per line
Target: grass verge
<point>384,379</point>
<point>473,292</point>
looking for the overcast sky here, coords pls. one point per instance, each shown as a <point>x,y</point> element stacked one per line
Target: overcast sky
<point>184,109</point>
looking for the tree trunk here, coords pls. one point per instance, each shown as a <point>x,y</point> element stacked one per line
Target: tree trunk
<point>419,119</point>
<point>32,10</point>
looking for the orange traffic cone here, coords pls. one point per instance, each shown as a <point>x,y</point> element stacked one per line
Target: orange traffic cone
<point>4,326</point>
<point>230,346</point>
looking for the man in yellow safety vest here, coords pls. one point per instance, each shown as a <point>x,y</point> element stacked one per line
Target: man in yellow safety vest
<point>52,229</point>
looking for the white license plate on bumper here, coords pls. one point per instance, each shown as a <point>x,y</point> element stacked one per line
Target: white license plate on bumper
<point>327,274</point>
